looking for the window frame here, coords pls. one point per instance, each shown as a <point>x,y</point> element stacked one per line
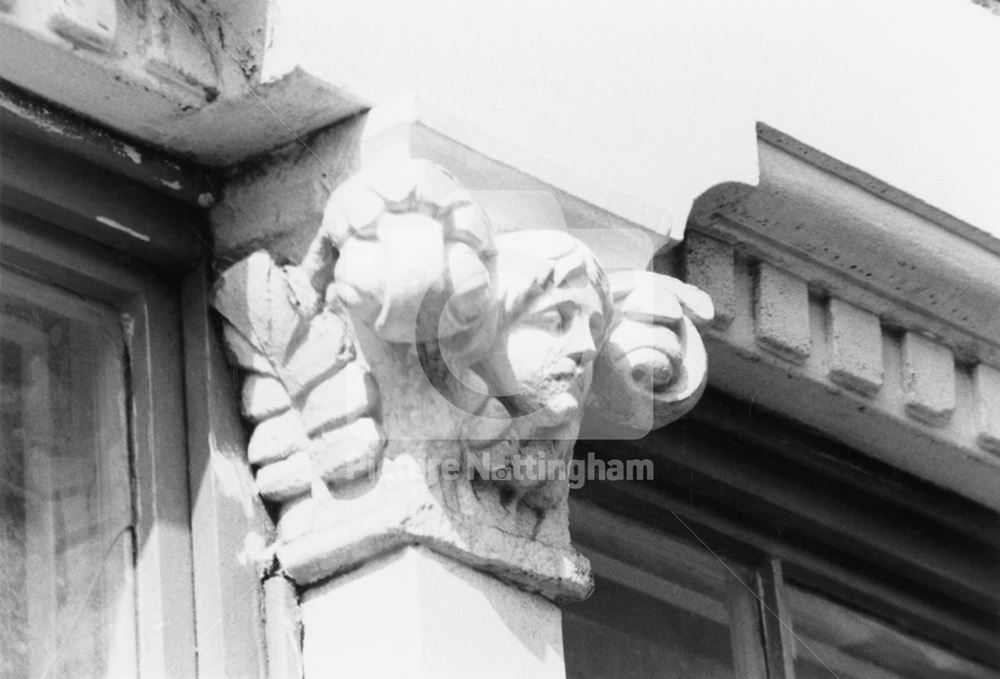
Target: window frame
<point>151,328</point>
<point>774,500</point>
<point>47,523</point>
<point>61,173</point>
<point>601,536</point>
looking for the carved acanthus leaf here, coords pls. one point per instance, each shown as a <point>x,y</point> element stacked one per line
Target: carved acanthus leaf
<point>310,396</point>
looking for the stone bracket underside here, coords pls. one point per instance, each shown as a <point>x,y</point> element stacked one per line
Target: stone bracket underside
<point>795,337</point>
<point>344,545</point>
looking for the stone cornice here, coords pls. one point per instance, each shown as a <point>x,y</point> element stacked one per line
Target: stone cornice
<point>879,188</point>
<point>857,310</point>
<point>867,243</point>
<point>190,74</point>
<point>785,360</point>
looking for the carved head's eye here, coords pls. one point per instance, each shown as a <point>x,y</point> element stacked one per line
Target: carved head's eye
<point>549,319</point>
<point>566,313</point>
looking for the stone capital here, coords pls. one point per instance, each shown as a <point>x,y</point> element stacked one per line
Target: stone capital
<point>420,379</point>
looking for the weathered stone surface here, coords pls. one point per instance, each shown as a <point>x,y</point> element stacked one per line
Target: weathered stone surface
<point>709,266</point>
<point>654,366</point>
<point>345,396</point>
<point>180,59</point>
<point>782,314</point>
<point>417,380</point>
<point>986,392</point>
<point>336,456</point>
<point>855,348</point>
<point>864,241</point>
<point>276,438</point>
<point>87,24</point>
<point>835,388</point>
<point>928,379</point>
<point>264,396</point>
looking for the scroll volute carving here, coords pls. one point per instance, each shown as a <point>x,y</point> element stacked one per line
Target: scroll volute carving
<point>653,368</point>
<point>404,376</point>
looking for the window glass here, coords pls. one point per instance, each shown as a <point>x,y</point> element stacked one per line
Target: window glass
<point>832,640</point>
<point>66,542</point>
<point>659,609</point>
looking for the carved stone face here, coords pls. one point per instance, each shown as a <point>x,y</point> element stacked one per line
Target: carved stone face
<point>542,363</point>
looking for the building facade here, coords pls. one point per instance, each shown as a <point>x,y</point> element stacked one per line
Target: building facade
<point>453,341</point>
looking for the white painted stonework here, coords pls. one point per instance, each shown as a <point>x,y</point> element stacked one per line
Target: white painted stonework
<point>442,619</point>
<point>850,246</point>
<point>411,337</point>
<point>182,75</point>
<point>665,95</point>
<point>641,109</point>
<point>863,314</point>
<point>420,379</point>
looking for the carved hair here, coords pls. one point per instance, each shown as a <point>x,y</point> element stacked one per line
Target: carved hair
<point>533,261</point>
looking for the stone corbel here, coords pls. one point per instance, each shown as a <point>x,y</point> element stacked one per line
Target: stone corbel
<point>418,379</point>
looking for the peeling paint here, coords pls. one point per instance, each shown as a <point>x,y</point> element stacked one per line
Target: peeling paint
<point>115,225</point>
<point>175,185</point>
<point>41,119</point>
<point>132,153</point>
<point>54,129</point>
<point>254,550</point>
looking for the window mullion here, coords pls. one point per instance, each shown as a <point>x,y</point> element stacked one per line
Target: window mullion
<point>775,622</point>
<point>749,661</point>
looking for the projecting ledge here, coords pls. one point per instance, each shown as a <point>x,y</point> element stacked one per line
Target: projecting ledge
<point>857,311</point>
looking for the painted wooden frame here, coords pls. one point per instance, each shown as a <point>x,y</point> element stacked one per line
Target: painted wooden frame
<point>192,559</point>
<point>789,505</point>
<point>164,595</point>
